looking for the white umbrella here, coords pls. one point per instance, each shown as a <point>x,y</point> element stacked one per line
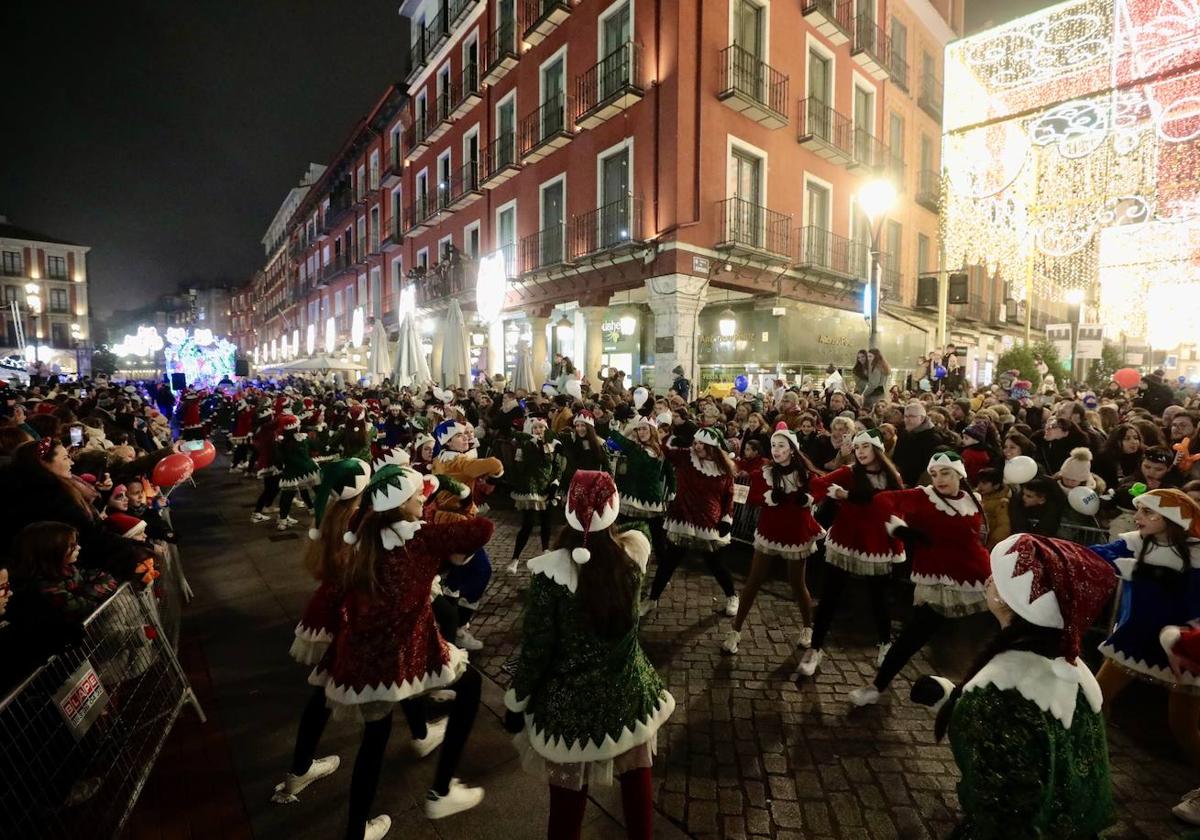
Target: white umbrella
<point>410,367</point>
<point>380,364</point>
<point>523,375</point>
<point>456,358</point>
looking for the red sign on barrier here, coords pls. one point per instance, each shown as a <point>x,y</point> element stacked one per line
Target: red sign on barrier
<point>81,699</point>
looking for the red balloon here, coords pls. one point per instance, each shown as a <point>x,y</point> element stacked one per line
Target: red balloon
<point>1127,378</point>
<point>172,470</point>
<point>201,458</point>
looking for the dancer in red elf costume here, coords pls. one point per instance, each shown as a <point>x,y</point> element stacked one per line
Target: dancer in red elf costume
<point>786,529</point>
<point>858,545</point>
<point>945,529</point>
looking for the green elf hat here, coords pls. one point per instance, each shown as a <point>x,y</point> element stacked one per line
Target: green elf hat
<point>947,459</point>
<point>389,488</point>
<point>342,479</point>
<point>870,436</point>
<point>712,436</point>
<point>395,457</point>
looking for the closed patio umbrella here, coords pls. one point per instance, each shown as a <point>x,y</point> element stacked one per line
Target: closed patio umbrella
<point>410,367</point>
<point>456,357</point>
<point>523,375</point>
<point>379,365</point>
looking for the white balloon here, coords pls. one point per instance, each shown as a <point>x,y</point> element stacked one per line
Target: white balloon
<point>1020,470</point>
<point>1084,500</point>
<point>640,395</point>
<point>574,389</point>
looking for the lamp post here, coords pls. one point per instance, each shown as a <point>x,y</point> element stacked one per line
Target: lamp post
<point>1074,298</point>
<point>876,199</point>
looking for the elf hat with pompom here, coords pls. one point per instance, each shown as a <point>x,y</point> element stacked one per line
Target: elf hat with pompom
<point>1052,583</point>
<point>947,459</point>
<point>445,432</point>
<point>289,422</point>
<point>340,480</point>
<point>124,525</point>
<point>1078,467</point>
<point>782,431</point>
<point>871,436</point>
<point>712,436</point>
<point>592,505</point>
<point>1173,505</point>
<point>388,489</point>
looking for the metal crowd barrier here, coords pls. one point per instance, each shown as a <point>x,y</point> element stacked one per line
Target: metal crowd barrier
<point>80,735</point>
<point>745,516</point>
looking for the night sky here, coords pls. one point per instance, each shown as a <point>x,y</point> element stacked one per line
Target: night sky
<point>166,133</point>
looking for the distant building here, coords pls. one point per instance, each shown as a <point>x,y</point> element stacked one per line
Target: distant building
<point>47,278</point>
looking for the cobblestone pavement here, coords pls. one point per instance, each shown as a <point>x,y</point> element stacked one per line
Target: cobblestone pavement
<point>753,750</point>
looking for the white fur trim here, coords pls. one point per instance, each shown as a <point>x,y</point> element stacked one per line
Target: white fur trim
<point>1165,676</point>
<point>558,566</point>
<point>945,580</point>
<point>1168,637</point>
<point>962,506</point>
<point>636,545</point>
<point>768,499</point>
<point>580,555</point>
<point>688,531</point>
<point>1154,503</point>
<point>558,751</point>
<point>893,523</point>
<point>788,551</point>
<point>513,704</point>
<point>398,533</point>
<point>949,601</point>
<point>311,479</point>
<point>1050,684</point>
<point>601,519</point>
<point>309,645</point>
<point>941,459</point>
<point>706,436</point>
<point>947,689</point>
<point>643,510</point>
<point>1044,612</point>
<point>394,693</point>
<point>710,468</point>
<point>875,564</point>
<point>1157,555</point>
<point>391,496</point>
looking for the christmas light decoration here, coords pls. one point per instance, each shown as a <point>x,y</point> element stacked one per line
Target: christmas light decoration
<point>203,359</point>
<point>1070,156</point>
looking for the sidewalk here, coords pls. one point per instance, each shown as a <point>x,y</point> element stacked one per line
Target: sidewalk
<point>749,752</point>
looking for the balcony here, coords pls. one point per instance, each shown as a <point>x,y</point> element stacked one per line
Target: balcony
<point>466,93</point>
<point>898,70</point>
<point>336,267</point>
<point>11,270</point>
<point>872,48</point>
<point>972,310</point>
<point>437,32</point>
<point>752,87</point>
<point>441,118</point>
<point>929,190</point>
<point>930,97</point>
<point>869,152</point>
<point>501,53</point>
<point>824,252</point>
<point>832,18</point>
<point>609,87</point>
<point>418,135</point>
<point>826,132</point>
<point>459,9</point>
<point>499,161</point>
<point>418,57</point>
<point>464,188</point>
<point>393,167</point>
<point>889,278</point>
<point>614,226</point>
<point>542,17</point>
<point>340,205</point>
<point>752,230</point>
<point>393,237</point>
<point>446,281</point>
<point>545,130</point>
<point>420,215</point>
<point>544,250</point>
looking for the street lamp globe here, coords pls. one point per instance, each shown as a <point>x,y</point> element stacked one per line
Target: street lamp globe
<point>727,323</point>
<point>876,198</point>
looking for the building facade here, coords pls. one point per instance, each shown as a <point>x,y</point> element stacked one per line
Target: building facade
<point>663,183</point>
<point>46,277</point>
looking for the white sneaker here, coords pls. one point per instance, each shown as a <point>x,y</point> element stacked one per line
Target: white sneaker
<point>377,827</point>
<point>730,644</point>
<point>288,791</point>
<point>805,640</point>
<point>435,733</point>
<point>259,517</point>
<point>647,606</point>
<point>513,567</point>
<point>466,640</point>
<point>882,654</point>
<point>865,696</point>
<point>458,798</point>
<point>271,509</point>
<point>235,468</point>
<point>1189,809</point>
<point>298,504</point>
<point>286,523</point>
<point>810,661</point>
<point>442,695</point>
<point>731,605</point>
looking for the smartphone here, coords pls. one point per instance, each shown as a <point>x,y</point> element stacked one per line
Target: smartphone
<point>77,436</point>
<point>83,393</point>
<point>193,445</point>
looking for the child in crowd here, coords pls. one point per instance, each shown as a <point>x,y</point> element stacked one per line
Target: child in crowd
<point>996,496</point>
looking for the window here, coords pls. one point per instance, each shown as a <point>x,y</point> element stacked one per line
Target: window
<point>11,294</point>
<point>423,259</point>
<point>362,289</point>
<point>394,283</point>
<point>445,248</point>
<point>899,66</point>
<point>506,122</point>
<point>748,19</point>
<point>820,76</point>
<point>58,300</point>
<point>922,253</point>
<point>338,304</point>
<point>362,182</point>
<point>896,148</point>
<point>554,110</point>
<point>553,213</point>
<point>744,217</point>
<point>615,28</point>
<point>59,335</point>
<point>817,205</point>
<point>376,299</point>
<point>56,268</point>
<point>616,211</point>
<point>926,154</point>
<point>892,258</point>
<point>443,91</point>
<point>421,122</point>
<point>422,195</point>
<point>443,176</point>
<point>375,229</point>
<point>374,174</point>
<point>14,264</point>
<point>471,240</point>
<point>506,236</point>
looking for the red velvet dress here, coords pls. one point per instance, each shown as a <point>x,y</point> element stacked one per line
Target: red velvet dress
<point>703,500</point>
<point>858,540</point>
<point>950,565</point>
<point>386,646</point>
<point>786,527</point>
<point>317,625</point>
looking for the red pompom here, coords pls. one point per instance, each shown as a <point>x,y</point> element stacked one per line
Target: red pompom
<point>781,426</point>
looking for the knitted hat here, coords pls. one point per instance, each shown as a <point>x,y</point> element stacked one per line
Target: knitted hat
<point>124,525</point>
<point>341,480</point>
<point>592,505</point>
<point>782,431</point>
<point>585,416</point>
<point>1052,583</point>
<point>1174,505</point>
<point>871,436</point>
<point>289,422</point>
<point>445,432</point>
<point>977,431</point>
<point>664,419</point>
<point>1078,467</point>
<point>947,459</point>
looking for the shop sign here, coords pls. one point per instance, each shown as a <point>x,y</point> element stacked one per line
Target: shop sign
<point>834,340</point>
<point>700,265</point>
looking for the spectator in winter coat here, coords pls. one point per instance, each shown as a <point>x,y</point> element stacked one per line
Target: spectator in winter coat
<point>1153,394</point>
<point>995,496</point>
<point>916,444</point>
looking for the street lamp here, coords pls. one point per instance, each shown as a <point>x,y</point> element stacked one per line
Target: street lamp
<point>875,198</point>
<point>1074,299</point>
<point>726,323</point>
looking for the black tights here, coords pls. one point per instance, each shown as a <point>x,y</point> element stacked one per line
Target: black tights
<point>527,517</point>
<point>368,764</point>
<point>270,490</point>
<point>286,498</point>
<point>241,452</point>
<point>670,561</point>
<point>834,585</point>
<point>446,614</point>
<point>917,631</point>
